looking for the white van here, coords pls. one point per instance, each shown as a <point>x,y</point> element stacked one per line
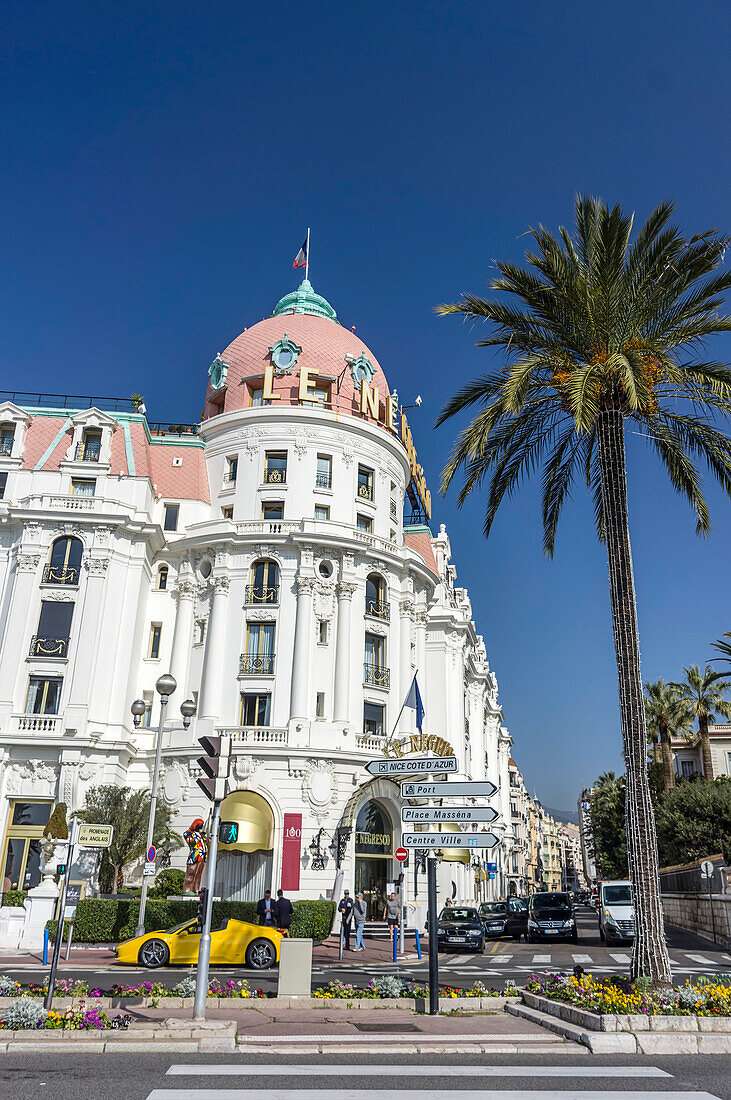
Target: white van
<point>616,912</point>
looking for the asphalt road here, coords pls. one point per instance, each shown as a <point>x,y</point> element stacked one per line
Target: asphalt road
<point>371,1077</point>
<point>503,961</point>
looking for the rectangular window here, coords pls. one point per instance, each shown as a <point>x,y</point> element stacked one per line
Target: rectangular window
<point>375,649</point>
<point>199,632</point>
<point>373,715</point>
<point>232,469</point>
<point>688,768</point>
<point>44,694</point>
<point>170,522</point>
<point>80,488</point>
<point>365,483</point>
<point>162,578</point>
<point>275,468</point>
<point>91,447</point>
<point>228,513</point>
<point>364,523</point>
<point>324,475</point>
<point>147,716</point>
<point>259,656</point>
<point>155,636</point>
<point>257,398</point>
<point>323,632</point>
<point>322,511</point>
<point>54,627</point>
<point>7,435</point>
<point>3,483</point>
<point>272,509</point>
<point>255,710</point>
<point>319,395</point>
<point>320,705</point>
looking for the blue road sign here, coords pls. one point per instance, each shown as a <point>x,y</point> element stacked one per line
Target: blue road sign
<point>151,853</point>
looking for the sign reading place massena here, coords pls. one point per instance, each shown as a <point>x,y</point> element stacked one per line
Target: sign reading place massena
<point>449,840</point>
<point>448,813</point>
<point>413,765</point>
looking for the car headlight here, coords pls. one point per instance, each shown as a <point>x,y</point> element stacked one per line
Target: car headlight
<point>533,924</point>
<point>569,923</point>
<point>474,932</point>
<point>610,918</point>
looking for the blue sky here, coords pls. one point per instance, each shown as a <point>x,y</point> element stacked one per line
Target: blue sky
<point>161,164</point>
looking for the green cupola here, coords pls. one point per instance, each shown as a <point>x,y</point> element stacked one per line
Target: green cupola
<point>304,300</point>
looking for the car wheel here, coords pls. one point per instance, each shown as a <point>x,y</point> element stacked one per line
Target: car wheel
<point>154,953</point>
<point>260,955</point>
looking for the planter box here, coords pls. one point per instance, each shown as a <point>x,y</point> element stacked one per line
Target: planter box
<point>468,1004</point>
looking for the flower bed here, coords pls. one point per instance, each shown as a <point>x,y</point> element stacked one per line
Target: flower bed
<point>66,987</point>
<point>389,986</point>
<point>619,996</point>
<point>26,1014</point>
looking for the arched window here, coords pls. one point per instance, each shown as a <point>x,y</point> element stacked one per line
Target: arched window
<point>375,600</point>
<point>162,578</point>
<point>64,564</point>
<point>264,583</point>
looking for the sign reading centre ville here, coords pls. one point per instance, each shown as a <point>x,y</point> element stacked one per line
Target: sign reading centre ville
<point>291,849</point>
<point>414,764</point>
<point>448,813</point>
<point>449,840</point>
<point>446,790</point>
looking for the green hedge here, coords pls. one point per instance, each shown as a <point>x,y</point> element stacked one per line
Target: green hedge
<point>102,920</point>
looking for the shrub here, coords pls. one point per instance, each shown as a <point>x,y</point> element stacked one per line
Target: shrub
<point>312,919</point>
<point>388,985</point>
<point>169,881</point>
<point>57,827</point>
<point>23,1013</point>
<point>8,988</point>
<point>185,987</point>
<point>14,898</point>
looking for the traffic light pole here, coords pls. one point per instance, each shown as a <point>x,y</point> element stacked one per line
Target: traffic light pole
<point>431,879</point>
<point>204,950</point>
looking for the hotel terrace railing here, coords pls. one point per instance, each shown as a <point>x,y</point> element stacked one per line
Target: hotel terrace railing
<point>365,492</point>
<point>48,647</point>
<point>261,594</point>
<point>77,502</point>
<point>323,481</point>
<point>275,476</point>
<point>378,609</point>
<point>370,742</point>
<point>61,574</point>
<point>377,675</point>
<point>6,447</point>
<point>88,452</point>
<point>37,723</point>
<point>256,665</point>
<point>254,735</point>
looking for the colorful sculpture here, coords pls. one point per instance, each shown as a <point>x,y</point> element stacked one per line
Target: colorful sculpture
<point>197,842</point>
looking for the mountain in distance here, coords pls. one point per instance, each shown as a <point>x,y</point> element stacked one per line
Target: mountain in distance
<point>571,816</point>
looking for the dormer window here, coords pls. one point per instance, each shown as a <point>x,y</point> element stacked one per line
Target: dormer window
<point>7,438</point>
<point>92,437</point>
<point>90,448</point>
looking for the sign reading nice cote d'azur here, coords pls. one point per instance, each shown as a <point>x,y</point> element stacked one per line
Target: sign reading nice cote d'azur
<point>386,413</point>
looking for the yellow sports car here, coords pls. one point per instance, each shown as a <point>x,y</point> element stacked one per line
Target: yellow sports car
<point>236,943</point>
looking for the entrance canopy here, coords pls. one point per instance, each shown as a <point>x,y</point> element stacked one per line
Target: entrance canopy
<point>255,820</point>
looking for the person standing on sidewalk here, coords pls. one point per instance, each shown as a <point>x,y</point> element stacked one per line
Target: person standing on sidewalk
<point>283,910</point>
<point>391,912</point>
<point>346,916</point>
<point>360,910</point>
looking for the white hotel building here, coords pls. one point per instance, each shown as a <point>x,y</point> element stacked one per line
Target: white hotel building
<point>263,557</point>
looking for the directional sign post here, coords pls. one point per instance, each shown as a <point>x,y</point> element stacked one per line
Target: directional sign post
<point>707,870</point>
<point>448,813</point>
<point>411,765</point>
<point>449,840</point>
<point>425,789</point>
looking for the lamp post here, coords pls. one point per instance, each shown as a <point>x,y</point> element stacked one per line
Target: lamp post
<point>165,687</point>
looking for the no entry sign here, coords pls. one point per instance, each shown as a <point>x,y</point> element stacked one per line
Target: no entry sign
<point>401,855</point>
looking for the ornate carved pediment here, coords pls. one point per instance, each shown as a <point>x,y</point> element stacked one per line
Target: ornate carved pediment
<point>31,777</point>
<point>320,788</point>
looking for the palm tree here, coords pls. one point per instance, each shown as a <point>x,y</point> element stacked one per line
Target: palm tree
<point>666,713</point>
<point>724,648</point>
<point>601,331</point>
<point>703,693</point>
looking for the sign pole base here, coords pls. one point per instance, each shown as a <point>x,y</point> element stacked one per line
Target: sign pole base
<point>431,880</point>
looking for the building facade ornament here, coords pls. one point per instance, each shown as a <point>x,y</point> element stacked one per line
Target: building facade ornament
<point>27,563</point>
<point>320,788</point>
<point>31,778</point>
<point>96,566</point>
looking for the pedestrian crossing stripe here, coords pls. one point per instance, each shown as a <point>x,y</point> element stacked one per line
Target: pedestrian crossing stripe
<point>415,1094</point>
<point>393,1070</point>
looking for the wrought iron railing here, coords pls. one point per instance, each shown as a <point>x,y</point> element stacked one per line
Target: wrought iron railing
<point>88,452</point>
<point>229,477</point>
<point>275,476</point>
<point>378,608</point>
<point>365,491</point>
<point>60,574</point>
<point>259,593</point>
<point>323,481</point>
<point>378,675</point>
<point>48,647</point>
<point>6,447</point>
<point>256,665</point>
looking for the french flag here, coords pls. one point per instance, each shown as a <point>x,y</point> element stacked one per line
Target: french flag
<point>300,259</point>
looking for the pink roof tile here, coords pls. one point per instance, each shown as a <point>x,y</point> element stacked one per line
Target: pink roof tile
<point>420,541</point>
<point>186,482</point>
<point>42,430</point>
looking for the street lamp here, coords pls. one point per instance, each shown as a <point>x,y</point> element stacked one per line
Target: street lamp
<point>165,687</point>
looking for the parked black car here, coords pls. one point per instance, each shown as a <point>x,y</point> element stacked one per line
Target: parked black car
<point>505,918</point>
<point>551,917</point>
<point>460,926</point>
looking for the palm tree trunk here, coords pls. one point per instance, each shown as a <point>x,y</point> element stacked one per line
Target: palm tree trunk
<point>705,747</point>
<point>668,770</point>
<point>649,954</point>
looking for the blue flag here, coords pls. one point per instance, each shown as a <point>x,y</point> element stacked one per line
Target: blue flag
<point>413,702</point>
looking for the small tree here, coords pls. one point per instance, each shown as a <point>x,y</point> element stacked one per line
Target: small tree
<point>128,812</point>
<point>56,827</point>
<point>694,821</point>
<point>608,830</point>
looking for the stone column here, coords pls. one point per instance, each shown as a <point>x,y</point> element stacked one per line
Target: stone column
<point>341,707</point>
<point>186,593</point>
<point>406,671</point>
<point>17,634</point>
<point>302,646</point>
<point>209,703</point>
<point>88,630</point>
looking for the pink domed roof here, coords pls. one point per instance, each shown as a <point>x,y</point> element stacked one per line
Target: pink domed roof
<point>325,345</point>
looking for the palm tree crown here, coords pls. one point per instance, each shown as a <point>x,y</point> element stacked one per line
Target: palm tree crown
<point>724,648</point>
<point>704,694</point>
<point>667,713</point>
<point>599,324</point>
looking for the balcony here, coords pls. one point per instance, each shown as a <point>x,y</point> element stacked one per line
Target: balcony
<point>365,492</point>
<point>275,476</point>
<point>370,742</point>
<point>260,594</point>
<point>378,609</point>
<point>254,735</point>
<point>37,723</point>
<point>88,452</point>
<point>323,481</point>
<point>377,675</point>
<point>61,574</point>
<point>6,448</point>
<point>48,647</point>
<point>256,665</point>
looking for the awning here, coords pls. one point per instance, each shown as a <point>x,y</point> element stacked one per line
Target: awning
<point>255,820</point>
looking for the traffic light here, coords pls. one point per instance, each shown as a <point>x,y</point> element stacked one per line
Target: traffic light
<point>228,832</point>
<point>215,764</point>
<point>202,903</point>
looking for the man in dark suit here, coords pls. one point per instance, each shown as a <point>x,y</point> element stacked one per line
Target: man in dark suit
<point>265,909</point>
<point>346,915</point>
<point>283,910</point>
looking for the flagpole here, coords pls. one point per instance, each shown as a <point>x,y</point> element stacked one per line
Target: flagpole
<point>307,255</point>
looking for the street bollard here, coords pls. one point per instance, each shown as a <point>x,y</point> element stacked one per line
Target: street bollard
<point>418,943</point>
<point>45,947</point>
<point>395,942</point>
